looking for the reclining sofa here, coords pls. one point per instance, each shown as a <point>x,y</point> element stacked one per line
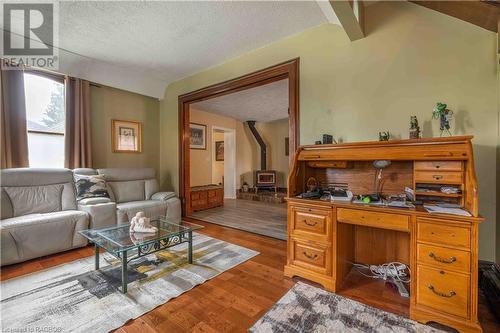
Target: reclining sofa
<point>134,190</point>
<point>40,214</point>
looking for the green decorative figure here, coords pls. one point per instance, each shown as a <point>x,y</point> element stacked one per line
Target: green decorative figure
<point>444,115</point>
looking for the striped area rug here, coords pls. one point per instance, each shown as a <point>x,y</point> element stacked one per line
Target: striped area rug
<point>75,298</point>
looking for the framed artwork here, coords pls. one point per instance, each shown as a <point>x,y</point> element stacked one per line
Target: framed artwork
<point>219,150</point>
<point>197,136</point>
<point>126,136</point>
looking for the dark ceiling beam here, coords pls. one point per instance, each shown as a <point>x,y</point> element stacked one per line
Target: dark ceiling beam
<point>478,12</point>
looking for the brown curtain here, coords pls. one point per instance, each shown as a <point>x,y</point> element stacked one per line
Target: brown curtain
<point>14,135</point>
<point>78,148</point>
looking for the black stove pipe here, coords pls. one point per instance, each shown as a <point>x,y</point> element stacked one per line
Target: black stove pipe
<point>251,125</point>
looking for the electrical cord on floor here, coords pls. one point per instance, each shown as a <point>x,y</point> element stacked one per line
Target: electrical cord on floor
<point>394,270</point>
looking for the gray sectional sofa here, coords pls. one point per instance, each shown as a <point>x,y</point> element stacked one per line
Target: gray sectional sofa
<point>40,214</point>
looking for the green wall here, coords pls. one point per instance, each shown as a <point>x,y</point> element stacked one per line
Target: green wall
<point>412,58</point>
<point>110,103</point>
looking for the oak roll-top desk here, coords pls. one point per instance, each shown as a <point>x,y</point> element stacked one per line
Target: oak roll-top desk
<point>325,238</point>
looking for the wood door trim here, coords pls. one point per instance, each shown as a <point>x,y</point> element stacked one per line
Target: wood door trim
<point>286,70</point>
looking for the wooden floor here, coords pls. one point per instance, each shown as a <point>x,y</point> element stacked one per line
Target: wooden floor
<point>267,219</point>
<point>231,302</point>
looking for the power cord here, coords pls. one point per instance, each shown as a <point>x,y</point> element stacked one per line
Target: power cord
<point>395,271</point>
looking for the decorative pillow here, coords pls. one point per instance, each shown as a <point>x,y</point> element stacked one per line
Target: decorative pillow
<point>35,199</point>
<point>93,186</point>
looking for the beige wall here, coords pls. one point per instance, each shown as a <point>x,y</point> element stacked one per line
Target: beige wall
<point>205,170</point>
<point>109,103</point>
<point>201,160</point>
<point>412,58</point>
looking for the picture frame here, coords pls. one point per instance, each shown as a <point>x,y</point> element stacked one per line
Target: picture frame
<point>197,136</point>
<point>219,151</point>
<point>126,136</point>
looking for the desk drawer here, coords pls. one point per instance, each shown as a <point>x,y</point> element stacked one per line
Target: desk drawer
<point>311,222</point>
<point>442,234</point>
<point>441,177</point>
<point>312,256</point>
<point>443,258</point>
<point>438,165</point>
<point>373,219</point>
<point>443,290</point>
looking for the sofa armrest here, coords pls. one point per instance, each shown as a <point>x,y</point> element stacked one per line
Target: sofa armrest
<point>164,196</point>
<point>101,214</point>
<point>174,209</point>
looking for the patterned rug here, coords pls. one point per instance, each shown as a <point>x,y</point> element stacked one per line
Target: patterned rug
<point>75,298</point>
<point>305,308</point>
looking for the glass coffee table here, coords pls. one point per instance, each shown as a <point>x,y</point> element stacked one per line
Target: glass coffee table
<point>126,246</point>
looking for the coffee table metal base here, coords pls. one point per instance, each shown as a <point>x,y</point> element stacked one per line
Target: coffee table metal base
<point>146,249</point>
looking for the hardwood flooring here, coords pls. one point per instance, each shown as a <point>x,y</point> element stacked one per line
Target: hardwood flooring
<point>259,217</point>
<point>231,302</point>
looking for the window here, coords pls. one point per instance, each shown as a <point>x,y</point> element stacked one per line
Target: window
<point>45,121</point>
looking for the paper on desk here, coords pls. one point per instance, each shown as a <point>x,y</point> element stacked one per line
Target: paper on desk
<point>446,210</point>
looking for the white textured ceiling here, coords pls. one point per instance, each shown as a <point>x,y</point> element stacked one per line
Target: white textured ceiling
<point>144,45</point>
<point>262,104</point>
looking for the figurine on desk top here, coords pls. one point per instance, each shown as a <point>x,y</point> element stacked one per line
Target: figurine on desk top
<point>414,128</point>
<point>444,115</point>
<point>384,136</point>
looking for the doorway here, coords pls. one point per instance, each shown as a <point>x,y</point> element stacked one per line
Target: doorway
<point>229,182</point>
<point>224,160</point>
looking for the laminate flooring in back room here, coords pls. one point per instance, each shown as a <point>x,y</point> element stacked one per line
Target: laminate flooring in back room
<point>268,219</point>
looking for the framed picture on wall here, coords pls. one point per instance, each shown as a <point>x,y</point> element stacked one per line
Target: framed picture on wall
<point>219,150</point>
<point>197,136</point>
<point>126,136</point>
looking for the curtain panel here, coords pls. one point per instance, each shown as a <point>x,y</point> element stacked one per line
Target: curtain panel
<point>14,134</point>
<point>78,146</point>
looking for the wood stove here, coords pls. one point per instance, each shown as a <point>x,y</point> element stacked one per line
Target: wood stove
<point>265,178</point>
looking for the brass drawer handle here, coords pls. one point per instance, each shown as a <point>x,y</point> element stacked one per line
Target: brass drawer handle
<point>312,257</point>
<point>310,224</point>
<point>448,295</point>
<point>437,177</point>
<point>444,261</point>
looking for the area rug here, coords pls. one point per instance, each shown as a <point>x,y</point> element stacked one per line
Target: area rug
<point>305,308</point>
<point>75,298</point>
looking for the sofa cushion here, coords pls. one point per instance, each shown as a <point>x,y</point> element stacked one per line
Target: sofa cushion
<point>93,201</point>
<point>35,199</point>
<point>92,186</point>
<point>151,208</point>
<point>35,235</point>
<point>128,191</point>
<point>151,187</point>
<point>84,171</point>
<point>35,176</point>
<point>6,210</point>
